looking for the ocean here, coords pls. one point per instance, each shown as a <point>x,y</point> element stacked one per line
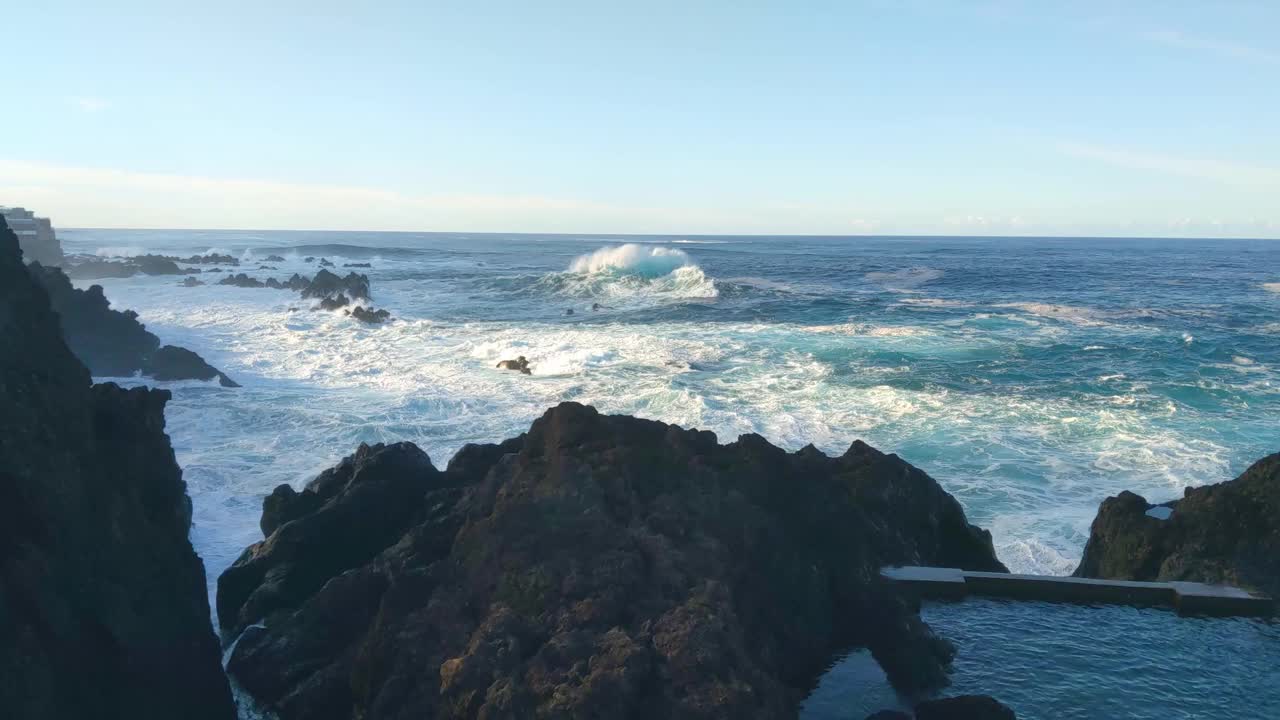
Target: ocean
<point>1031,377</point>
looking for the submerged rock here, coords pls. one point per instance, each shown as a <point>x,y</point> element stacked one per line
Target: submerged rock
<point>113,343</point>
<point>595,566</point>
<point>103,605</point>
<point>520,364</point>
<point>191,282</point>
<point>242,280</point>
<point>1225,533</point>
<point>325,262</point>
<point>372,317</point>
<point>964,707</point>
<point>274,258</point>
<point>357,265</point>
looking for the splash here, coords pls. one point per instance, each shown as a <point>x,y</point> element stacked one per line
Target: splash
<point>631,271</point>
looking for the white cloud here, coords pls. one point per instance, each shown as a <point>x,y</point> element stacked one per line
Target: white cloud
<point>90,104</point>
<point>1258,177</point>
<point>1179,39</point>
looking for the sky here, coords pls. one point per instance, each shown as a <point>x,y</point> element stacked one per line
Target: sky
<point>735,117</point>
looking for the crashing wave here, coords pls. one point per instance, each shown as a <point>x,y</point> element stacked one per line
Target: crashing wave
<point>633,270</point>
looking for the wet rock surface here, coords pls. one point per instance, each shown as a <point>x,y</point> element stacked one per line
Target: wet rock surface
<point>112,343</point>
<point>595,566</point>
<point>103,606</point>
<point>1225,533</point>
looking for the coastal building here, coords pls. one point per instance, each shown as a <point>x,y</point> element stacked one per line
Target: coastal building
<point>36,237</point>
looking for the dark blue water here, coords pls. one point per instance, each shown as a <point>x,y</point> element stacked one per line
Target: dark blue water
<point>1075,662</point>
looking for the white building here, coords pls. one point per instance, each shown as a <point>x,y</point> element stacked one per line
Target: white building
<point>36,237</point>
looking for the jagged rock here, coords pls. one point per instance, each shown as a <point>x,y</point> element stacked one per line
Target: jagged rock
<point>358,265</point>
<point>175,363</point>
<point>373,317</point>
<point>326,283</point>
<point>324,262</point>
<point>103,606</point>
<point>242,280</point>
<point>208,259</point>
<point>520,364</point>
<point>594,567</point>
<point>191,282</point>
<point>335,302</point>
<point>1225,533</point>
<point>964,707</point>
<point>113,343</point>
<point>274,258</point>
<point>266,267</point>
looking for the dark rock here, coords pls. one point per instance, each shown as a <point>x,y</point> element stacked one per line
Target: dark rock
<point>520,364</point>
<point>334,302</point>
<point>326,283</point>
<point>372,317</point>
<point>242,280</point>
<point>309,259</point>
<point>1225,533</point>
<point>157,265</point>
<point>568,311</point>
<point>196,271</point>
<point>593,567</point>
<point>213,270</point>
<point>209,259</point>
<point>82,268</point>
<point>274,258</point>
<point>266,267</point>
<point>359,265</point>
<point>964,707</point>
<point>888,715</point>
<point>324,262</point>
<point>103,605</point>
<point>176,363</point>
<point>113,343</point>
<point>191,282</point>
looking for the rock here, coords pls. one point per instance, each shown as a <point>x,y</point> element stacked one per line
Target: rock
<point>372,317</point>
<point>520,364</point>
<point>359,265</point>
<point>1225,533</point>
<point>888,715</point>
<point>209,259</point>
<point>274,258</point>
<point>83,268</point>
<point>335,302</point>
<point>324,262</point>
<point>213,270</point>
<point>266,267</point>
<point>191,282</point>
<point>568,311</point>
<point>964,707</point>
<point>157,265</point>
<point>113,343</point>
<point>309,259</point>
<point>242,280</point>
<point>104,611</point>
<point>326,283</point>
<point>176,363</point>
<point>593,567</point>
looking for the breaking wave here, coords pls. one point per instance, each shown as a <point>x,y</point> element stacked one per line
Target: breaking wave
<point>632,270</point>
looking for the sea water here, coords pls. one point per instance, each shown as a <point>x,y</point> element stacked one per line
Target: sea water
<point>1031,377</point>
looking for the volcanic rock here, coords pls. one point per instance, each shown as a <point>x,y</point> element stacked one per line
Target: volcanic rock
<point>593,567</point>
<point>326,283</point>
<point>372,317</point>
<point>113,343</point>
<point>964,707</point>
<point>103,605</point>
<point>1226,533</point>
<point>242,280</point>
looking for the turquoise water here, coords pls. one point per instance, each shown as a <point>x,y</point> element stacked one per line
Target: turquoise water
<point>1074,662</point>
<point>1031,377</point>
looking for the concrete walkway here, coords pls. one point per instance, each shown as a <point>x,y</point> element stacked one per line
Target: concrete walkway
<point>1188,598</point>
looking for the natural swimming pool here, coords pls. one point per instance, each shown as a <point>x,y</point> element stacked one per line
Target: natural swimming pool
<point>1054,661</point>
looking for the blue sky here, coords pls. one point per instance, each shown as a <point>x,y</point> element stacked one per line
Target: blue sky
<point>1137,118</point>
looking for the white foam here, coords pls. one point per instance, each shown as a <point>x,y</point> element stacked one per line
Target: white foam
<point>632,259</point>
<point>1271,287</point>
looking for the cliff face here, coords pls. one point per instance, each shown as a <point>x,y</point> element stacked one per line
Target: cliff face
<point>113,343</point>
<point>593,567</point>
<point>1225,533</point>
<point>103,607</point>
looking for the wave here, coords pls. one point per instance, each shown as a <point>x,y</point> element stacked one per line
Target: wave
<point>631,271</point>
<point>1271,287</point>
<point>905,280</point>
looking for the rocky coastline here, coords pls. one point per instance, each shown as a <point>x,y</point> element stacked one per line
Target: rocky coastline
<point>103,606</point>
<point>1225,533</point>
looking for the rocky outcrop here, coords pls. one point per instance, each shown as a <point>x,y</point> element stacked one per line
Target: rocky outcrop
<point>366,315</point>
<point>325,284</point>
<point>334,302</point>
<point>113,343</point>
<point>964,707</point>
<point>1225,533</point>
<point>274,258</point>
<point>94,268</point>
<point>593,567</point>
<point>242,280</point>
<point>103,604</point>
